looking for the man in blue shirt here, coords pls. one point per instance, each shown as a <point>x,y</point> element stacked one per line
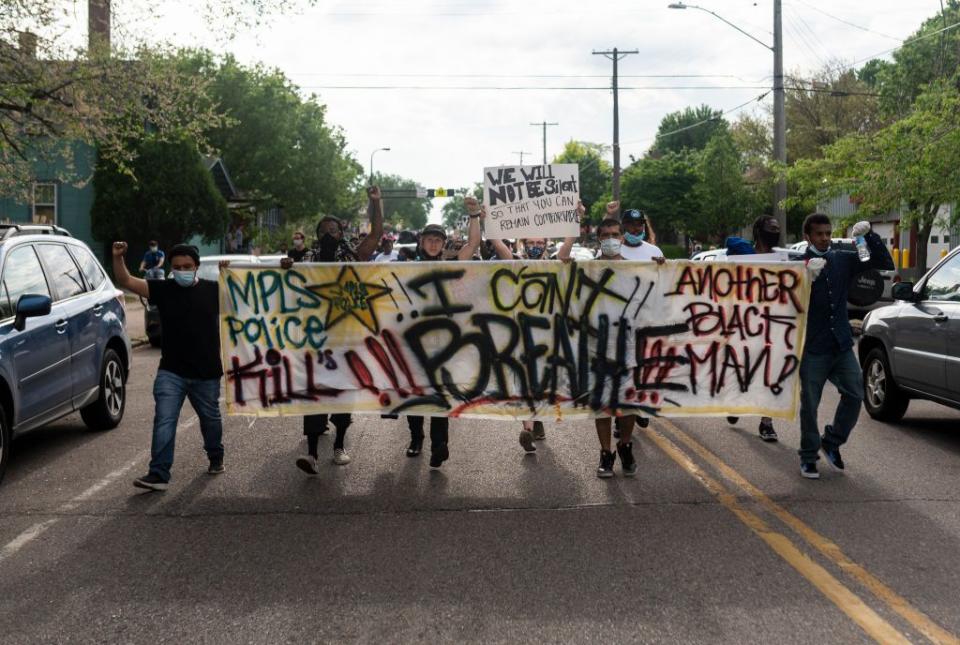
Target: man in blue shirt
<point>828,351</point>
<point>152,264</point>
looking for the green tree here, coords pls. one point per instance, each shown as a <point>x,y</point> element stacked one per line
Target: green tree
<point>912,164</point>
<point>596,174</point>
<point>403,212</point>
<point>924,58</point>
<point>725,203</point>
<point>690,128</point>
<point>278,146</point>
<point>453,209</point>
<point>663,187</point>
<point>170,197</point>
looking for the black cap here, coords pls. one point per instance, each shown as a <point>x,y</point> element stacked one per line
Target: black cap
<point>433,229</point>
<point>632,215</point>
<point>185,249</point>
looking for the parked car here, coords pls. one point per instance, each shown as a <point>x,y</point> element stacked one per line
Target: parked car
<point>712,254</point>
<point>209,270</point>
<point>911,349</point>
<point>63,340</point>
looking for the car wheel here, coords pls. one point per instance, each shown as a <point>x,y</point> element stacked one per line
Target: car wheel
<point>107,411</point>
<point>6,440</point>
<point>881,396</point>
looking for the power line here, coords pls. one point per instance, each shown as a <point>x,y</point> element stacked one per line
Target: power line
<point>699,123</point>
<point>529,87</point>
<point>901,46</point>
<point>847,22</point>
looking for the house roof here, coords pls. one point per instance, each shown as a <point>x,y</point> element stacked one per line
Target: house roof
<point>221,177</point>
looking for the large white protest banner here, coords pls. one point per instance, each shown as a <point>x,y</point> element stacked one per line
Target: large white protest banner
<point>529,340</point>
<point>531,201</point>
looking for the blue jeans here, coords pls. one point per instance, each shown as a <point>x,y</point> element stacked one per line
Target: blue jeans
<point>843,371</point>
<point>169,391</point>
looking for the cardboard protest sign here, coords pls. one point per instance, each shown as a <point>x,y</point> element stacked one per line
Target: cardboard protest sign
<point>531,201</point>
<point>523,340</point>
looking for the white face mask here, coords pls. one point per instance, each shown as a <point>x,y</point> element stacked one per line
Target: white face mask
<point>298,243</point>
<point>610,247</point>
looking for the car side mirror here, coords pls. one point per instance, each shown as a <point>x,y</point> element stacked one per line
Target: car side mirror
<point>903,291</point>
<point>30,306</point>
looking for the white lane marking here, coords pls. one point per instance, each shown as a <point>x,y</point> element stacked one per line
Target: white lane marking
<point>27,536</point>
<point>252,421</point>
<point>37,529</point>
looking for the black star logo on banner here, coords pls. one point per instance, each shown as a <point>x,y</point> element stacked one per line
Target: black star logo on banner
<point>349,296</point>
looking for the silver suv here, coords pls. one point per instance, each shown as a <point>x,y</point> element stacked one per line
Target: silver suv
<point>911,349</point>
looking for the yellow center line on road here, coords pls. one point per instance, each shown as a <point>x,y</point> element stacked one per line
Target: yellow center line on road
<point>848,602</point>
<point>923,623</point>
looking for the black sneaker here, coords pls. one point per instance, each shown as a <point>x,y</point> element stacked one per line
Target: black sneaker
<point>414,449</point>
<point>308,465</point>
<point>526,440</point>
<point>733,420</point>
<point>151,482</point>
<point>832,453</point>
<point>643,422</point>
<point>767,433</point>
<point>216,467</point>
<point>438,455</point>
<point>605,469</point>
<point>627,463</point>
<point>809,470</point>
<point>539,432</point>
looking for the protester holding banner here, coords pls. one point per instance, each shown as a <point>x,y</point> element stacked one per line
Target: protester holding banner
<point>433,238</point>
<point>828,352</point>
<point>638,239</point>
<point>189,357</point>
<point>332,247</point>
<point>610,236</point>
<point>534,248</point>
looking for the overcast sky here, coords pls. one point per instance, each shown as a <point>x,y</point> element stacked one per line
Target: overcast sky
<point>444,137</point>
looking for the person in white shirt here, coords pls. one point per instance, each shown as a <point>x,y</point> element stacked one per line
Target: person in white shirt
<point>387,252</point>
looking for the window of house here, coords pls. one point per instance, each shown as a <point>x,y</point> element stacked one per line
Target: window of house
<point>44,203</point>
<point>934,239</point>
<point>946,239</point>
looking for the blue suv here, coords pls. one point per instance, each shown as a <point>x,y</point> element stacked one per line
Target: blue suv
<point>63,341</point>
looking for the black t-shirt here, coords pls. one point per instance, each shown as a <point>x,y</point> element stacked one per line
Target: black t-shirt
<point>190,319</point>
<point>297,255</point>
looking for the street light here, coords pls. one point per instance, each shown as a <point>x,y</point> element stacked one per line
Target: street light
<point>779,115</point>
<point>371,161</point>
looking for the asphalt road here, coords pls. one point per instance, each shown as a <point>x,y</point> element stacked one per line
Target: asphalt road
<point>718,538</point>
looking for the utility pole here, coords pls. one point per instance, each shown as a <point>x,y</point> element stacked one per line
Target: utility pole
<point>779,119</point>
<point>544,126</point>
<point>615,56</point>
<point>521,153</point>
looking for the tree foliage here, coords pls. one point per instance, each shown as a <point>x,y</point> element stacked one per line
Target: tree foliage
<point>664,188</point>
<point>687,129</point>
<point>725,203</point>
<point>453,209</point>
<point>170,196</point>
<point>912,164</point>
<point>403,212</point>
<point>596,174</point>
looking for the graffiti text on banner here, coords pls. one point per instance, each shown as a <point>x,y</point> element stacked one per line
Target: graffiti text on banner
<point>531,201</point>
<point>524,340</point>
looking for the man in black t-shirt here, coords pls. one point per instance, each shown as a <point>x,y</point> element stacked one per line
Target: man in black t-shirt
<point>190,364</point>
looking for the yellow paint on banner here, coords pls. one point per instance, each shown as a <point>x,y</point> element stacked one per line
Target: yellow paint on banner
<point>923,623</point>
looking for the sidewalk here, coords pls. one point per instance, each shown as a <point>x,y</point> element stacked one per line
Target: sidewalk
<point>135,327</point>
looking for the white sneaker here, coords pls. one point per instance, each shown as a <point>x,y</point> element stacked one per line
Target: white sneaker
<point>340,457</point>
<point>308,465</point>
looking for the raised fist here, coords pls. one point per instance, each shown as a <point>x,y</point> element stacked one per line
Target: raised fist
<point>373,192</point>
<point>119,249</point>
<point>472,205</point>
<point>613,208</point>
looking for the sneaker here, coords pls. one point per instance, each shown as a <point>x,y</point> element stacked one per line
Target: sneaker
<point>832,453</point>
<point>539,433</point>
<point>526,440</point>
<point>439,455</point>
<point>733,420</point>
<point>643,422</point>
<point>308,465</point>
<point>340,457</point>
<point>767,433</point>
<point>809,470</point>
<point>216,467</point>
<point>151,482</point>
<point>605,469</point>
<point>627,463</point>
<point>414,448</point>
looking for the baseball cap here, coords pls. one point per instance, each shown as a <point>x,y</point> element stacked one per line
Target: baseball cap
<point>433,229</point>
<point>632,215</point>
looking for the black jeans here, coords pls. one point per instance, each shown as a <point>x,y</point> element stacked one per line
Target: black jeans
<point>315,425</point>
<point>439,430</point>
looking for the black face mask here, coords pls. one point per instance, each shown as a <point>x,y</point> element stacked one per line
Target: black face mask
<point>328,247</point>
<point>769,238</point>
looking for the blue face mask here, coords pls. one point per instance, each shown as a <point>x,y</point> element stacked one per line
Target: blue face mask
<point>534,252</point>
<point>634,240</point>
<point>185,278</point>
